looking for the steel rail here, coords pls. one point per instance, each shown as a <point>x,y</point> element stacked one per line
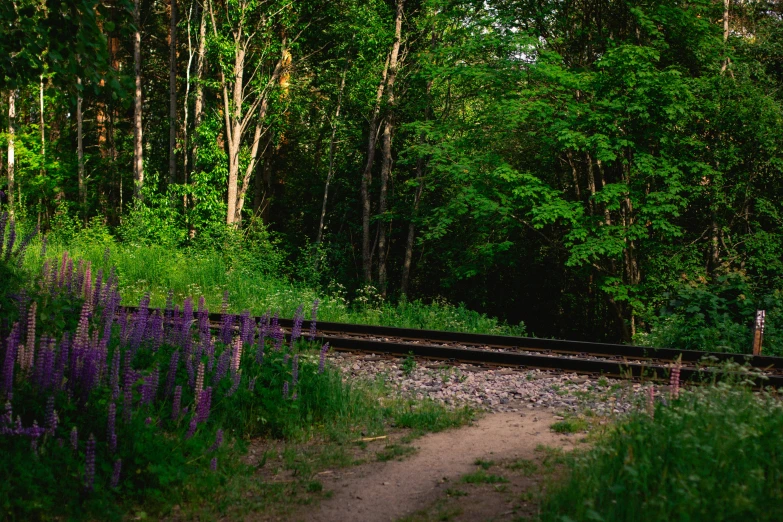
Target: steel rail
<point>616,360</point>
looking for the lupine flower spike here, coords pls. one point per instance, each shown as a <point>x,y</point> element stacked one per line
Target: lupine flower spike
<point>674,382</point>
<point>313,315</point>
<point>651,400</point>
<point>89,465</point>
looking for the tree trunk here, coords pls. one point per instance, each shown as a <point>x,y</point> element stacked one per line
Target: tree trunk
<point>138,158</point>
<point>386,148</point>
<point>367,177</point>
<point>198,106</point>
<point>11,158</point>
<point>406,265</point>
<point>726,5</point>
<point>332,147</point>
<point>173,92</point>
<point>80,153</point>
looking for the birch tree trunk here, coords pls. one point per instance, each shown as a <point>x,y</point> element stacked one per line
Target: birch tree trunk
<point>173,92</point>
<point>11,158</point>
<point>386,149</point>
<point>367,177</point>
<point>80,152</point>
<point>332,147</point>
<point>138,158</point>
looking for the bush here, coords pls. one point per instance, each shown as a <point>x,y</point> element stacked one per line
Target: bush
<point>717,317</point>
<point>714,454</point>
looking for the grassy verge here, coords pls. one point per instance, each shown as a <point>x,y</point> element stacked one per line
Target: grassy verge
<point>713,454</point>
<point>251,284</point>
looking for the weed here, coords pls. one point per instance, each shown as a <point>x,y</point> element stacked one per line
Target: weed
<point>408,364</point>
<point>482,477</point>
<point>456,492</point>
<point>570,425</point>
<point>394,452</point>
<point>524,466</point>
<point>485,464</point>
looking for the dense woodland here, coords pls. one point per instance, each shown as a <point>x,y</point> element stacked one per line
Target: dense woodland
<point>599,169</point>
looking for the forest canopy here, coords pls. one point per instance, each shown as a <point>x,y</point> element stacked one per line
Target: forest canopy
<point>599,169</point>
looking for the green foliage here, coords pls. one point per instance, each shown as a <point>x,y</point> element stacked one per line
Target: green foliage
<point>711,455</point>
<point>408,364</point>
<point>717,317</point>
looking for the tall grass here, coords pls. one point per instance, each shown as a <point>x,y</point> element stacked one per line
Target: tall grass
<point>714,454</point>
<point>156,270</point>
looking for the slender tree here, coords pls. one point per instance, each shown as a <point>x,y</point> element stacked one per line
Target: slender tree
<point>138,157</point>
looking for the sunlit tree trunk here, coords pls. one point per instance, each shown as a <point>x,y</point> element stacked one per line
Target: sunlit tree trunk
<point>11,145</point>
<point>80,152</point>
<point>138,158</point>
<point>173,92</point>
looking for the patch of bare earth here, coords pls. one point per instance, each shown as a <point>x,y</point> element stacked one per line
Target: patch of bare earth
<point>418,485</point>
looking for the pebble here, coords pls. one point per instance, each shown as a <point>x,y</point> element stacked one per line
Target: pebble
<point>497,389</point>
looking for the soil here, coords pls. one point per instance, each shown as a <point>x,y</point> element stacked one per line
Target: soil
<point>429,481</point>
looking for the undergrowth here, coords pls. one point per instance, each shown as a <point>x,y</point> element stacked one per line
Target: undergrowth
<point>713,454</point>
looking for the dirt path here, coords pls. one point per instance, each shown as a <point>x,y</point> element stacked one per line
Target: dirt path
<point>388,491</point>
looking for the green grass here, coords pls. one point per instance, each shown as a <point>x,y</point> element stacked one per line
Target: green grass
<point>189,272</point>
<point>395,452</point>
<point>571,425</point>
<point>482,477</point>
<point>714,454</point>
<point>485,464</point>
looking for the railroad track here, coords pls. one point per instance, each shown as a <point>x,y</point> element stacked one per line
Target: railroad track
<point>611,360</point>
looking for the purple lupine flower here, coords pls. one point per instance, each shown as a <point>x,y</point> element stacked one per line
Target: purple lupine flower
<point>222,366</point>
<point>128,388</point>
<point>141,322</point>
<point>173,365</point>
<point>210,350</point>
<point>96,296</point>
<point>296,329</point>
<point>285,390</point>
<point>110,427</point>
<point>176,402</point>
<point>192,427</point>
<point>115,475</point>
<point>74,438</point>
<point>285,358</point>
<point>114,378</point>
<point>199,380</point>
<point>218,440</point>
<point>294,396</point>
<point>213,464</point>
<point>226,328</point>
<point>674,382</point>
<point>235,378</point>
<point>185,337</point>
<point>191,371</point>
<point>245,328</point>
<point>51,415</point>
<point>62,361</point>
<point>236,356</point>
<point>148,421</point>
<point>89,463</point>
<point>651,400</point>
<point>322,361</point>
<point>313,315</point>
<point>277,332</point>
<point>203,319</point>
<point>69,276</point>
<point>295,370</point>
<point>3,221</point>
<point>155,328</point>
<point>204,405</point>
<point>154,383</point>
<point>11,239</point>
<point>12,344</point>
<point>252,384</point>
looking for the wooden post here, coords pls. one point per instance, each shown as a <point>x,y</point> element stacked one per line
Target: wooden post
<point>758,331</point>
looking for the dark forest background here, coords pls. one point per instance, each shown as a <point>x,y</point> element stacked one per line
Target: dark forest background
<point>599,169</point>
